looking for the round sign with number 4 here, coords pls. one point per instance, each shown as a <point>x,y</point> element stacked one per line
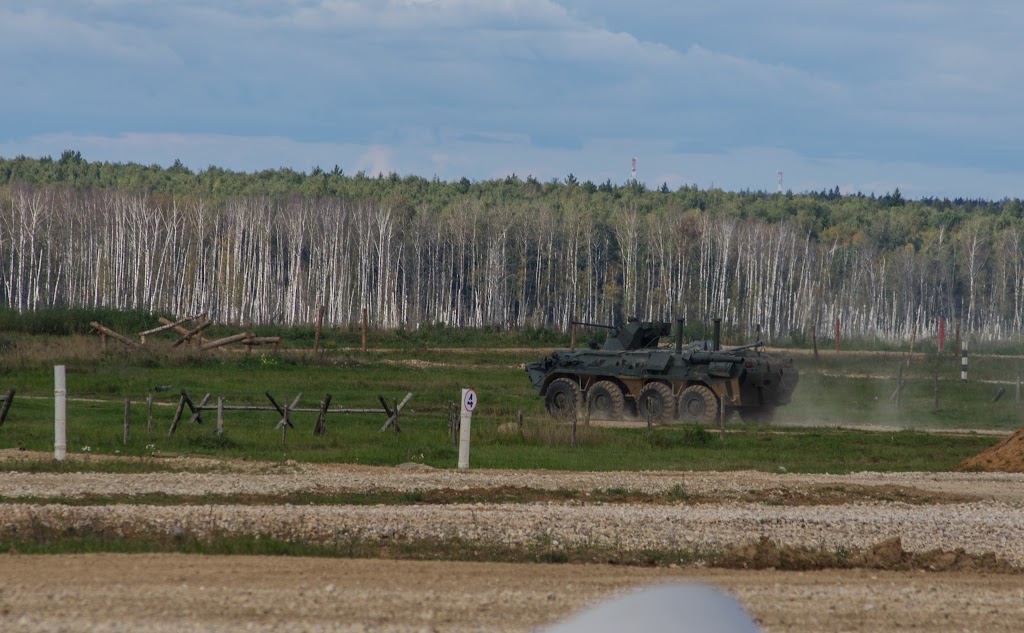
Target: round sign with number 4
<point>469,400</point>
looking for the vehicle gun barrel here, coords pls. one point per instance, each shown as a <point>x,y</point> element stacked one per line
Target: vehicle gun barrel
<point>743,347</point>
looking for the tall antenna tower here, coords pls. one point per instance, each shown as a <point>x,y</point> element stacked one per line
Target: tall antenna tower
<point>632,173</point>
<point>780,180</point>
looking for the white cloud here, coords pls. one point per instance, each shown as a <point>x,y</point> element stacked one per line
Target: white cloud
<point>376,160</point>
<point>409,85</point>
<point>29,33</point>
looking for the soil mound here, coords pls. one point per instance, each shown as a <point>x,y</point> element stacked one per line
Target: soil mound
<point>887,555</point>
<point>1005,457</point>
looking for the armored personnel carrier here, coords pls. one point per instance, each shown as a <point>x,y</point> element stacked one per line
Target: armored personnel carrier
<point>690,383</point>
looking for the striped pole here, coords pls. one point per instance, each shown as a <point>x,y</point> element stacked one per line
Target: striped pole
<point>963,362</point>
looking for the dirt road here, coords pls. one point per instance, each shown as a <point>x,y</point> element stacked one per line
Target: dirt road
<point>157,593</point>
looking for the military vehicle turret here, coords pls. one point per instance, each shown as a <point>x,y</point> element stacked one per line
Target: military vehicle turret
<point>690,383</point>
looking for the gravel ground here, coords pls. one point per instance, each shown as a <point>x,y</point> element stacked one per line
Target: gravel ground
<point>978,528</point>
<point>979,513</point>
<point>991,522</point>
<point>289,477</point>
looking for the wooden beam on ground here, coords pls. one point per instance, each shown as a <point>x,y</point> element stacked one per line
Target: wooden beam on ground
<point>102,329</point>
<point>167,325</point>
<point>193,332</point>
<point>263,340</point>
<point>181,330</point>
<point>227,340</point>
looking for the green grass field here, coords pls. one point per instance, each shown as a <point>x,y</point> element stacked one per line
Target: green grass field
<point>849,389</point>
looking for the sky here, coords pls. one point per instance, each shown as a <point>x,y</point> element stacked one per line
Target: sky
<point>924,96</point>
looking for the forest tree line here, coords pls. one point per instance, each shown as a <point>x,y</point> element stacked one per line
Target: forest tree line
<point>272,247</point>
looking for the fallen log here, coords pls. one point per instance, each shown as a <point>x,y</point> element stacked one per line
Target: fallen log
<point>228,340</point>
<point>167,325</point>
<point>193,332</point>
<point>104,330</point>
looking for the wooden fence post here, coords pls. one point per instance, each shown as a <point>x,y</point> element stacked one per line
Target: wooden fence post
<point>177,414</point>
<point>220,415</point>
<point>149,412</point>
<point>319,327</point>
<point>127,420</point>
<point>364,329</point>
<point>454,421</point>
<point>393,415</point>
<point>197,409</point>
<point>320,427</point>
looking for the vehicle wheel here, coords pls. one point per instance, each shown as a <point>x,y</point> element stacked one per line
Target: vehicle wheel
<point>759,415</point>
<point>698,404</point>
<point>605,400</point>
<point>655,402</point>
<point>561,397</point>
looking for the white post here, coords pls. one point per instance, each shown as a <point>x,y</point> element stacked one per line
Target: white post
<point>60,394</point>
<point>468,404</point>
<point>963,362</point>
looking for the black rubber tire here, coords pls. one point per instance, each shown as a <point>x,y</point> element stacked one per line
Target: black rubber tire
<point>562,397</point>
<point>698,405</point>
<point>758,415</point>
<point>656,402</point>
<point>605,400</point>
